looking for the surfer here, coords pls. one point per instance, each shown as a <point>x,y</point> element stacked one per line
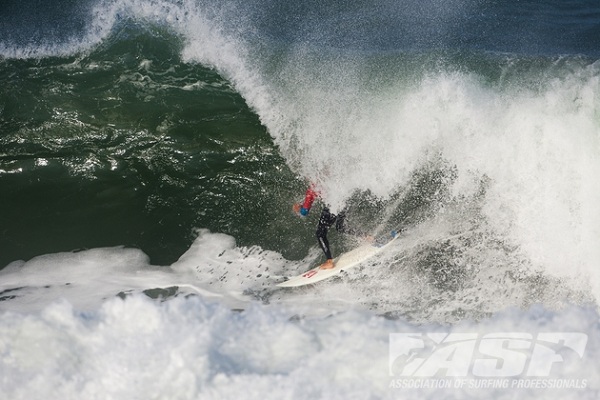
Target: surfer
<point>326,220</point>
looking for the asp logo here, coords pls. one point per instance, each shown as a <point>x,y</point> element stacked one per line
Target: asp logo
<point>501,354</point>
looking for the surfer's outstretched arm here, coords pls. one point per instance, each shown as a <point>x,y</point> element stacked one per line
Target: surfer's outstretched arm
<point>342,227</point>
<point>303,208</point>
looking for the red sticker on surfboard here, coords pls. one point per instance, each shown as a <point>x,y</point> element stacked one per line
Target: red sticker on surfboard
<point>310,273</point>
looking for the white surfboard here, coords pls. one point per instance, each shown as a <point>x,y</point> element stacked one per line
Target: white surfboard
<point>342,263</point>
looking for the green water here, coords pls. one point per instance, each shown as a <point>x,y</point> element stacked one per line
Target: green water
<point>130,146</point>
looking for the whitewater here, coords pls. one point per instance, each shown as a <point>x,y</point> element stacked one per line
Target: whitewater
<point>479,141</point>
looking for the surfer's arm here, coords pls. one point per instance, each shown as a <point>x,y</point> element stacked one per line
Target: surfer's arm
<point>309,198</point>
<point>342,227</point>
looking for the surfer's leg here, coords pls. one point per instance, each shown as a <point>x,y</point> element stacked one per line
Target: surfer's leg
<point>325,221</point>
<point>323,242</point>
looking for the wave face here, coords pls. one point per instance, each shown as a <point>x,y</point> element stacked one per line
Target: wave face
<point>152,149</point>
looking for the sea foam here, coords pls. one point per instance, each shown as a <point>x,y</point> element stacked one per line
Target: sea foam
<point>195,348</point>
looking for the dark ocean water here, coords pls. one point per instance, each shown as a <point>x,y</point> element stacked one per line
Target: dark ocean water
<point>126,144</point>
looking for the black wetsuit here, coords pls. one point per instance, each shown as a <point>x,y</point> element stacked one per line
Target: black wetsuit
<point>326,220</point>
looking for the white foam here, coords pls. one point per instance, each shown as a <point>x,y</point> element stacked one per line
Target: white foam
<point>315,342</point>
<point>540,151</point>
<point>538,148</point>
<point>396,282</point>
<point>213,267</point>
<point>192,348</point>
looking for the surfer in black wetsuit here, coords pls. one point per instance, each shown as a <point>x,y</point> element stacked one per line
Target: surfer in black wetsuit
<point>326,220</point>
